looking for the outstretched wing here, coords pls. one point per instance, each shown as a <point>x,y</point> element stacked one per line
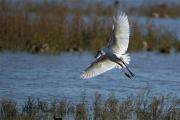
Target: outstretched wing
<point>119,38</point>
<point>99,66</point>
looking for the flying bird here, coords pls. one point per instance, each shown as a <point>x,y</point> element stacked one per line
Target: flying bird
<point>114,54</point>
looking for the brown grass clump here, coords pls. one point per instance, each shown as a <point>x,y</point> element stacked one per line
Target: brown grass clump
<point>141,107</point>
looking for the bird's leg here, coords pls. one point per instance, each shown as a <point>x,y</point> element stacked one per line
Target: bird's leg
<point>127,75</point>
<point>132,74</point>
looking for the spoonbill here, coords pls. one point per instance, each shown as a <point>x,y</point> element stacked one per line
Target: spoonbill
<point>114,54</point>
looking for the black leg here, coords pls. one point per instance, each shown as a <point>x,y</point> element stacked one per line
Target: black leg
<point>132,74</point>
<point>127,75</point>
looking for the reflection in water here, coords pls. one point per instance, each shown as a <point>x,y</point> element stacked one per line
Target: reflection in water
<point>48,76</point>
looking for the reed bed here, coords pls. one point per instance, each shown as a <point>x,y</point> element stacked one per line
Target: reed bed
<point>141,107</point>
<point>156,10</point>
<point>53,28</point>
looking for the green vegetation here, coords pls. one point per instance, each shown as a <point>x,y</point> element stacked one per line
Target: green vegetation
<point>141,107</point>
<point>52,28</point>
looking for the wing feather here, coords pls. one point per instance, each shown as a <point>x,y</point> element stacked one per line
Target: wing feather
<point>99,66</point>
<point>119,39</point>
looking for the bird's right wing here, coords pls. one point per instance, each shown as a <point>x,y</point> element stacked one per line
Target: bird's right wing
<point>99,66</point>
<point>119,38</point>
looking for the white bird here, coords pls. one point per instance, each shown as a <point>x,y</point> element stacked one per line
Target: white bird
<point>114,54</point>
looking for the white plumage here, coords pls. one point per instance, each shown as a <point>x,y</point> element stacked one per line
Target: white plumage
<point>119,44</point>
<point>113,55</point>
<point>100,65</point>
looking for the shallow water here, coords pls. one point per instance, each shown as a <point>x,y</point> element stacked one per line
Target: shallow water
<point>48,76</point>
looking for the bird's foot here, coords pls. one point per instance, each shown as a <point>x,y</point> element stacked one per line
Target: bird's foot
<point>127,75</point>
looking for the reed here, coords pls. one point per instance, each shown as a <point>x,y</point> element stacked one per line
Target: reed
<point>156,10</point>
<point>53,28</point>
<point>141,107</point>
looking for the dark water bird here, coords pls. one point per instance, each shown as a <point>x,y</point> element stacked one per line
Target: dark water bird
<point>55,118</point>
<point>114,54</point>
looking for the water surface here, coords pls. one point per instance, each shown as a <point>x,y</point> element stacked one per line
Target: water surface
<point>49,76</point>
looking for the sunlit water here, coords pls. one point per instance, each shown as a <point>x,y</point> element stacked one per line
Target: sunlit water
<point>48,76</point>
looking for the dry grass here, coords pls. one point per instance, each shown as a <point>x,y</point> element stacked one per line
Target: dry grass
<point>53,28</point>
<point>140,107</point>
<point>163,10</point>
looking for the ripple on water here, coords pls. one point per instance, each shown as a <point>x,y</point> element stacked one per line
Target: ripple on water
<point>47,76</point>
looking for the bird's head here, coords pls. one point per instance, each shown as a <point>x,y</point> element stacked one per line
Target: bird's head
<point>99,53</point>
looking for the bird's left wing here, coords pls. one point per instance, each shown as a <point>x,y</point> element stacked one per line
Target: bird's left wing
<point>119,38</point>
<point>99,66</point>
